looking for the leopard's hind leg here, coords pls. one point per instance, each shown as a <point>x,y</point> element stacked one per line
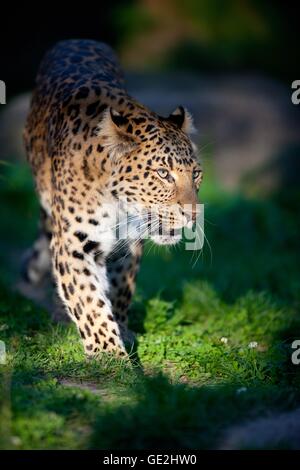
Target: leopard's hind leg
<point>37,280</point>
<point>37,261</point>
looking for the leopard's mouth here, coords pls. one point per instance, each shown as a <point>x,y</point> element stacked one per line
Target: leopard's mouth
<point>160,236</point>
<point>144,224</point>
<point>166,239</point>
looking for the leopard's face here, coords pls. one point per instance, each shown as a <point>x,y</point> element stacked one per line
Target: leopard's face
<point>156,175</point>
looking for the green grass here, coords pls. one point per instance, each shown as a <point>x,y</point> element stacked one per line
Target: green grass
<point>193,384</point>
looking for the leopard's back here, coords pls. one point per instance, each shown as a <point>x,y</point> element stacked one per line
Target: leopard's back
<point>77,80</point>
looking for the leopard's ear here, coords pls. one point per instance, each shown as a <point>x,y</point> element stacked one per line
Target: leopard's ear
<point>183,119</point>
<point>114,130</point>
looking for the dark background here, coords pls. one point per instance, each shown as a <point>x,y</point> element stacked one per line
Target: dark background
<point>231,63</point>
<point>27,31</point>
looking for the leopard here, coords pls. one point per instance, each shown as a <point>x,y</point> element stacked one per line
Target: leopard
<point>95,151</point>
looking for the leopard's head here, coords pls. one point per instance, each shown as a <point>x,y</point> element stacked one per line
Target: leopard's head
<point>154,171</point>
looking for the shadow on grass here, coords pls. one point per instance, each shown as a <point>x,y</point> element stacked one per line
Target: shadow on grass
<point>126,409</point>
<point>155,413</point>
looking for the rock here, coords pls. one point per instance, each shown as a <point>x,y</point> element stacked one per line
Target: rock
<point>277,431</point>
<point>12,120</point>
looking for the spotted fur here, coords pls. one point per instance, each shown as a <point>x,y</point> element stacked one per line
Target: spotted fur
<point>90,145</point>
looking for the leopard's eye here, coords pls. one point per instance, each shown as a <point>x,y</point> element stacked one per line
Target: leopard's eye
<point>196,174</point>
<point>163,173</point>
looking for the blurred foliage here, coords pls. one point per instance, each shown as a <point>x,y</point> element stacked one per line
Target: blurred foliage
<point>207,35</point>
